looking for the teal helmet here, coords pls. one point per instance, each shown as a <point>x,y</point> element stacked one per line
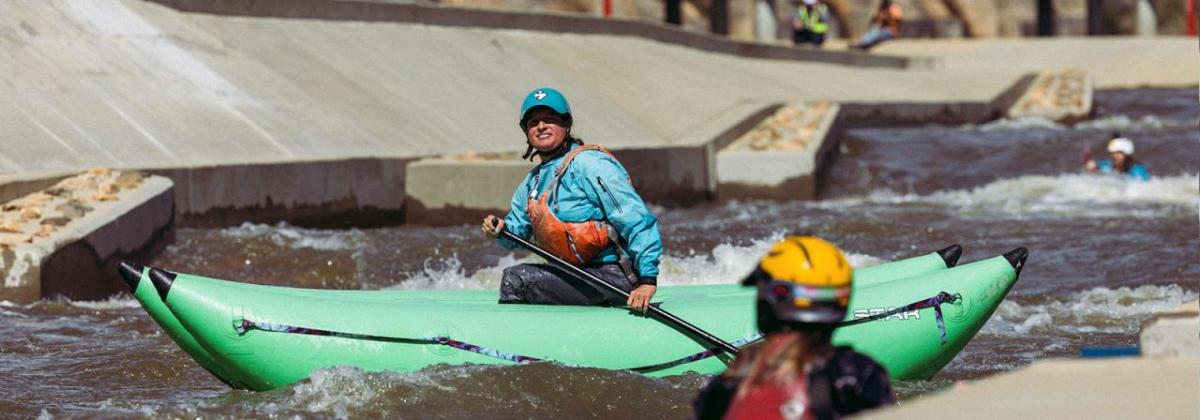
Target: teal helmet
<point>547,97</point>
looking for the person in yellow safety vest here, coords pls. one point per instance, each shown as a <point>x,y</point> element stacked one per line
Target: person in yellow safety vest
<point>810,23</point>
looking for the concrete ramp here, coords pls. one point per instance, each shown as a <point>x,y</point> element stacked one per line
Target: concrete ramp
<point>134,84</point>
<point>253,113</point>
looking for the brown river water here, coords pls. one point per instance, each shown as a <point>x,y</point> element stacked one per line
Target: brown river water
<point>1104,255</point>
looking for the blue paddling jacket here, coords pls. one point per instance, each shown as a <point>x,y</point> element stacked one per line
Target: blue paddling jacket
<point>594,187</point>
<point>1137,172</point>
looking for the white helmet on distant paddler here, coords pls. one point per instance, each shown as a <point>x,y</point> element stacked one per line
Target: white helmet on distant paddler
<point>1121,145</point>
<point>803,280</point>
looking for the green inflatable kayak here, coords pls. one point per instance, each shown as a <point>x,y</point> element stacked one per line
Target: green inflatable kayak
<point>264,337</point>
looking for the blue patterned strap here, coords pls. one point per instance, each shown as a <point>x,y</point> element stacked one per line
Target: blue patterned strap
<point>246,325</point>
<point>933,302</point>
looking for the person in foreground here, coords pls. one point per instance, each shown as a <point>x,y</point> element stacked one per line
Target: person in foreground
<point>579,204</point>
<point>1120,152</point>
<point>804,288</point>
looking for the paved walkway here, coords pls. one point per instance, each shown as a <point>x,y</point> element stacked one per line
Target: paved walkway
<point>125,83</point>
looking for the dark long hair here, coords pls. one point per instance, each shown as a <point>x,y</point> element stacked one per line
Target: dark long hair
<point>1126,165</point>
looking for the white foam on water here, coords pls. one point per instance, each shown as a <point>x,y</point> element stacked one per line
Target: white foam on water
<point>289,236</point>
<point>1082,195</point>
<point>1098,310</point>
<point>1123,122</point>
<point>725,263</point>
<point>13,314</point>
<point>337,391</point>
<point>728,263</point>
<point>114,302</point>
<point>448,273</point>
<point>1019,123</point>
<point>1113,122</point>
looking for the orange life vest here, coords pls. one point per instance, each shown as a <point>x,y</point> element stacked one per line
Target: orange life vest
<point>577,242</point>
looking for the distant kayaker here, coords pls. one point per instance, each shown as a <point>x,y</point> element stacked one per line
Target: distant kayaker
<point>804,288</point>
<point>1120,150</point>
<point>578,203</point>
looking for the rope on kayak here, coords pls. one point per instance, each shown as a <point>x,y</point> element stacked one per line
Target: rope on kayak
<point>246,325</point>
<point>739,343</point>
<point>933,302</point>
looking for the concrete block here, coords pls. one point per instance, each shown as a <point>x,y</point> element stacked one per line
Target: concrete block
<point>1116,388</point>
<point>1173,333</point>
<point>323,193</point>
<point>465,188</point>
<point>455,190</point>
<point>781,157</point>
<point>67,239</point>
<point>670,176</point>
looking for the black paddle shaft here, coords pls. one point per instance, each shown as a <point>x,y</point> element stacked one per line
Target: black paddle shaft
<point>654,310</point>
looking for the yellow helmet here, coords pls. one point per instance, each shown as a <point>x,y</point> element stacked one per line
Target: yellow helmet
<point>802,279</point>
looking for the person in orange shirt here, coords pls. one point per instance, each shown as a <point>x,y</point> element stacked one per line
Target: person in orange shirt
<point>885,25</point>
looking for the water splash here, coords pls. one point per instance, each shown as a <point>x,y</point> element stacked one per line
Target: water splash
<point>728,263</point>
<point>1071,194</point>
<point>540,390</point>
<point>1020,123</point>
<point>1114,122</point>
<point>112,303</point>
<point>285,235</point>
<point>725,263</point>
<point>448,273</point>
<point>1125,123</point>
<point>1097,310</point>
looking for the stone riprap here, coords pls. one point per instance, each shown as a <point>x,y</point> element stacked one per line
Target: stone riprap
<point>1064,96</point>
<point>67,239</point>
<point>781,156</point>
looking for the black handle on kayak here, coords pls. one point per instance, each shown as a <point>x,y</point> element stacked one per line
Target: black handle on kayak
<point>585,276</point>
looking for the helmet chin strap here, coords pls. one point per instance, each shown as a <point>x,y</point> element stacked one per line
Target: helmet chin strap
<point>562,147</point>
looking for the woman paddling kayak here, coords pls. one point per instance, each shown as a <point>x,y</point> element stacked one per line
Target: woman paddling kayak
<point>577,203</point>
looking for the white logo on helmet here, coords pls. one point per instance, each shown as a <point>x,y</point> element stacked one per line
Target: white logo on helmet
<point>540,95</point>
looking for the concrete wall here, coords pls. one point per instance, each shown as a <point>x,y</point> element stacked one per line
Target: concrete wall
<point>457,190</point>
<point>558,23</point>
<point>449,191</point>
<point>339,193</point>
